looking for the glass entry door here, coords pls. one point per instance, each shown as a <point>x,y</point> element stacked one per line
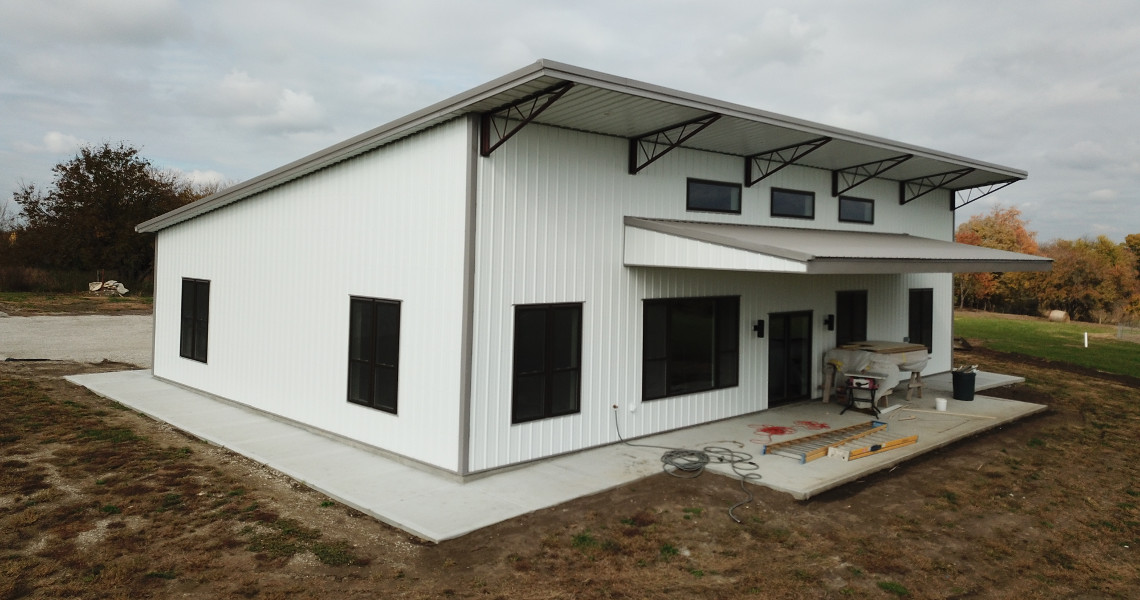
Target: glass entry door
<point>789,357</point>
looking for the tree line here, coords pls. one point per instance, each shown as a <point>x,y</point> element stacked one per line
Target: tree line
<point>1092,279</point>
<point>82,226</point>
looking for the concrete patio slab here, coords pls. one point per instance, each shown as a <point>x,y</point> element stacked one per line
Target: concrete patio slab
<point>437,506</point>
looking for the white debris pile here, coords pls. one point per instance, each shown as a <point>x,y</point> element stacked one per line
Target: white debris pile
<point>108,287</point>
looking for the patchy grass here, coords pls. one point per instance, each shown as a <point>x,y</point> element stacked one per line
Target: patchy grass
<point>115,436</point>
<point>36,303</point>
<point>584,540</point>
<point>86,500</point>
<point>1043,508</point>
<point>894,588</point>
<point>1052,341</point>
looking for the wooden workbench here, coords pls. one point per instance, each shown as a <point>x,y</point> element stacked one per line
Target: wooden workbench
<point>884,347</point>
<point>890,358</point>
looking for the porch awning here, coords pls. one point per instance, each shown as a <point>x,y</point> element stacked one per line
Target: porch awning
<point>728,247</point>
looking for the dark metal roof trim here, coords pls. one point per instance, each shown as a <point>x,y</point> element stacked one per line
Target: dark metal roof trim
<point>768,163</point>
<point>913,189</point>
<point>496,126</point>
<point>853,176</point>
<point>977,192</point>
<point>646,148</point>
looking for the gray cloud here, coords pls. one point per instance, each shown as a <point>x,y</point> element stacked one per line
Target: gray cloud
<point>100,22</point>
<point>234,89</point>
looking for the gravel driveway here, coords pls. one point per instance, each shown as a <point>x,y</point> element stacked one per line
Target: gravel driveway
<point>82,338</point>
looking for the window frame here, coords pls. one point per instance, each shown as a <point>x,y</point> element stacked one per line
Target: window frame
<point>858,323</point>
<point>551,343</point>
<point>724,350</point>
<point>923,330</point>
<point>194,321</point>
<point>772,203</point>
<point>866,201</point>
<point>738,188</point>
<point>375,365</point>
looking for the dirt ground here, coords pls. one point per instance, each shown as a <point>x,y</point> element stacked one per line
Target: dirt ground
<point>100,502</point>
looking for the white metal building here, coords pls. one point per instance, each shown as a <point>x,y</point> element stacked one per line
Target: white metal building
<point>480,283</point>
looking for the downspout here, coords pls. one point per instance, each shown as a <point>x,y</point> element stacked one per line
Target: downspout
<point>468,338</point>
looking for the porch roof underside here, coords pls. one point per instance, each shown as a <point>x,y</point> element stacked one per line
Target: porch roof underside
<point>614,106</point>
<point>720,246</point>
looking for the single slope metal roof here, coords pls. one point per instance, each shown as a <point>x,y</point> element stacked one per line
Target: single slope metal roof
<point>723,246</point>
<point>609,105</point>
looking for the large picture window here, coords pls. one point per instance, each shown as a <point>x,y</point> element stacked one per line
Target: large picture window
<point>374,353</point>
<point>713,196</point>
<point>193,336</point>
<point>920,329</point>
<point>792,203</point>
<point>856,210</point>
<point>547,361</point>
<point>690,345</point>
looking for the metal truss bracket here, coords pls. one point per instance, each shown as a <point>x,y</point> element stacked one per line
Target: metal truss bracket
<point>958,200</point>
<point>500,124</point>
<point>645,149</point>
<point>759,166</point>
<point>842,180</point>
<point>913,189</point>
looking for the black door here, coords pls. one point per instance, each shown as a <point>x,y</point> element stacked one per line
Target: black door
<point>789,357</point>
<point>920,329</point>
<point>850,317</point>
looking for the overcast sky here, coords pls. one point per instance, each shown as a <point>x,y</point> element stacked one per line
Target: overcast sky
<point>229,89</point>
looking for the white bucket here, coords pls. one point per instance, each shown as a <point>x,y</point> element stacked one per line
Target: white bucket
<point>940,404</point>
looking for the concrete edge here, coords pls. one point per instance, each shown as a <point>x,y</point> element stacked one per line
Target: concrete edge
<point>989,425</point>
<point>434,537</point>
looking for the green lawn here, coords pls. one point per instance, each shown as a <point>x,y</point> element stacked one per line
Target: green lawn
<point>1053,341</point>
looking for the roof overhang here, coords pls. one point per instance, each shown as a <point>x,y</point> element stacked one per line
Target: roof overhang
<point>655,120</point>
<point>721,246</point>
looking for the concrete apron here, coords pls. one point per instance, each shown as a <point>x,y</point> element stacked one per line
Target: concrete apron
<point>436,507</point>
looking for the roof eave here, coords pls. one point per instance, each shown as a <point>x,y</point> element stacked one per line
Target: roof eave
<point>349,148</point>
<point>731,109</point>
<point>889,266</point>
<point>460,104</point>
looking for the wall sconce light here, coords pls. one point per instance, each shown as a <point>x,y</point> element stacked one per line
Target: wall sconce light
<point>759,328</point>
<point>830,322</point>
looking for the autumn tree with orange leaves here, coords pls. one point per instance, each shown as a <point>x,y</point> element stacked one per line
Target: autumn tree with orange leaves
<point>1091,279</point>
<point>1002,229</point>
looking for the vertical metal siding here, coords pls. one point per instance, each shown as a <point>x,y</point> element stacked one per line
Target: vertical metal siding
<point>549,229</point>
<point>282,265</point>
<point>650,248</point>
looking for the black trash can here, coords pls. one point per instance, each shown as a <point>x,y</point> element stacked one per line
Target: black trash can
<point>963,385</point>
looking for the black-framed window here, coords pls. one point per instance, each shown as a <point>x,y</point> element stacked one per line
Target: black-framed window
<point>547,371</point>
<point>374,353</point>
<point>690,345</point>
<point>193,337</point>
<point>713,196</point>
<point>920,328</point>
<point>793,203</point>
<point>850,316</point>
<point>856,210</point>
